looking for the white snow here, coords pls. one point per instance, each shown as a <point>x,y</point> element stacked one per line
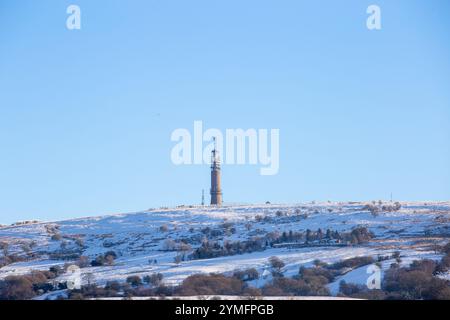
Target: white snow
<point>138,237</point>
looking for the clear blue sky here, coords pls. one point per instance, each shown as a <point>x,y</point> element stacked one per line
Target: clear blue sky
<point>86,116</point>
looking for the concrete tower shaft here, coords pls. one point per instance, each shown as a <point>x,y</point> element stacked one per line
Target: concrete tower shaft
<point>216,189</point>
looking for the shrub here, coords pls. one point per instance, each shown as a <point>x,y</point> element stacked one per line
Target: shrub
<point>4,261</point>
<point>271,290</point>
<point>79,242</point>
<point>37,277</point>
<point>56,237</point>
<point>276,263</point>
<point>99,261</point>
<point>113,286</point>
<point>89,291</point>
<point>319,263</point>
<point>305,273</point>
<point>154,279</point>
<point>246,275</point>
<point>427,266</point>
<point>82,262</point>
<point>396,255</point>
<point>111,253</point>
<point>350,289</point>
<point>104,259</point>
<point>178,258</point>
<point>296,287</point>
<point>213,284</point>
<point>360,235</point>
<point>4,247</point>
<point>134,281</point>
<point>109,260</point>
<point>16,288</point>
<point>373,209</point>
<point>259,218</point>
<point>169,245</point>
<point>227,225</point>
<point>355,262</point>
<point>444,265</point>
<point>56,270</point>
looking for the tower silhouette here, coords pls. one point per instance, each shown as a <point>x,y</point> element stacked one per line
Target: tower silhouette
<point>216,190</point>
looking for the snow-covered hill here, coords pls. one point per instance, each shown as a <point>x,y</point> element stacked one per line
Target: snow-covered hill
<point>148,242</point>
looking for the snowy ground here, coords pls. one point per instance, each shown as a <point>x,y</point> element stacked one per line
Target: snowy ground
<point>138,238</point>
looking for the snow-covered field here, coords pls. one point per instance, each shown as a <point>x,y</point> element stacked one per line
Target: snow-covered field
<point>140,239</point>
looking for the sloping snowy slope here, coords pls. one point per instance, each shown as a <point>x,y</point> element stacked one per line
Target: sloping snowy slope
<point>141,243</point>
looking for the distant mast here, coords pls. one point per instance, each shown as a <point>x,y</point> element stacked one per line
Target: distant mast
<point>216,190</point>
